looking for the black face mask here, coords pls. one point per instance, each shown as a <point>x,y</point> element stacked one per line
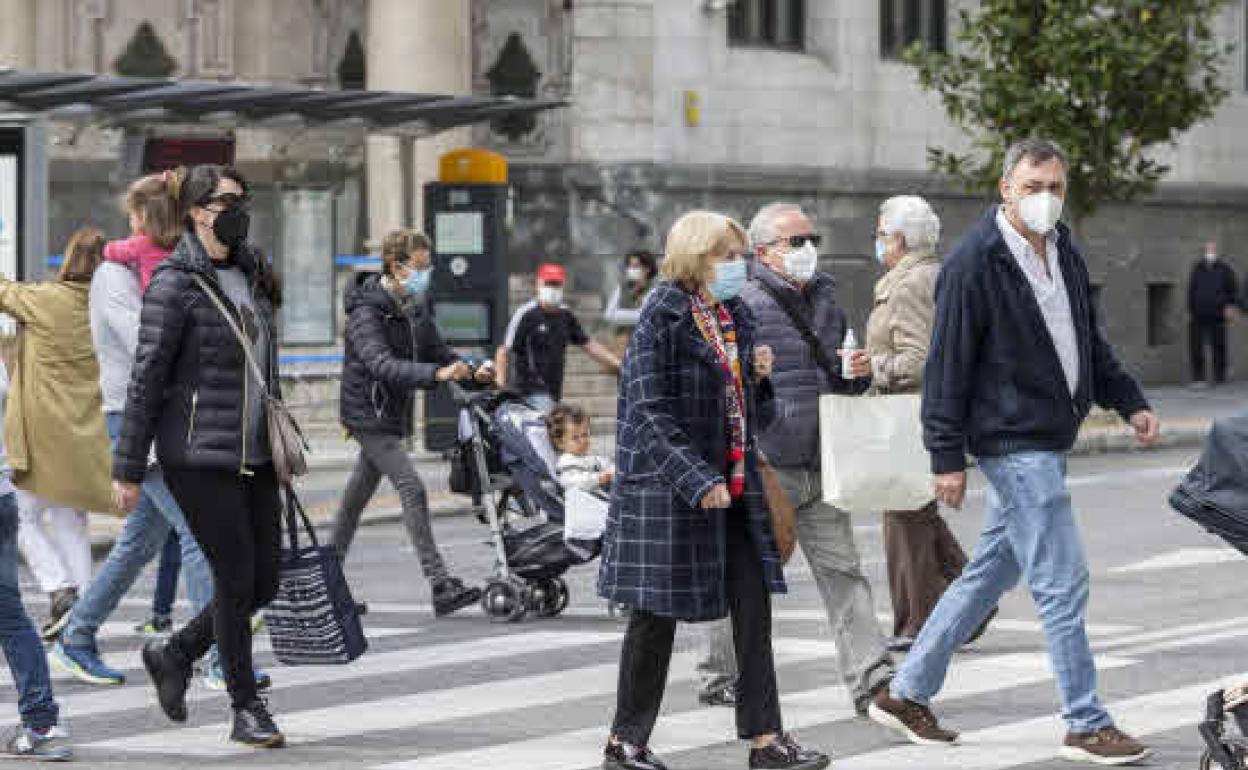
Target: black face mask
<point>231,226</point>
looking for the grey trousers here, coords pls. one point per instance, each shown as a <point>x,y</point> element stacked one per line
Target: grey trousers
<point>826,536</point>
<point>384,455</point>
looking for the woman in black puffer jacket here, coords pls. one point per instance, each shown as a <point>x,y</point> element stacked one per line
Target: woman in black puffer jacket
<point>192,392</point>
<point>393,347</point>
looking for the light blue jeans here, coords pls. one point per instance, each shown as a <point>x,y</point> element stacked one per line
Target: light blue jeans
<point>23,650</point>
<point>141,539</point>
<point>1030,532</point>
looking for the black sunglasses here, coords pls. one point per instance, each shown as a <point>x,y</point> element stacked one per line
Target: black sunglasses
<point>797,241</point>
<point>227,200</point>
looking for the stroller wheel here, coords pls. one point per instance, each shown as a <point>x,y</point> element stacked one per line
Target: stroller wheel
<point>505,601</point>
<point>549,597</point>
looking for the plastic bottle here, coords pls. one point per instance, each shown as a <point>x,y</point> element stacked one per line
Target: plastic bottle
<point>848,346</point>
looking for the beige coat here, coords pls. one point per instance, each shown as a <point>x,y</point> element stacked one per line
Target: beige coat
<point>54,424</point>
<point>899,330</point>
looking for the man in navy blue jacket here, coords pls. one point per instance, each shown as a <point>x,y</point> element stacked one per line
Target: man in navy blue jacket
<point>1016,362</point>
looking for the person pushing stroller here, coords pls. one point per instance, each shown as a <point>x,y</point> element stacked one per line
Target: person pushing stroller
<point>393,347</point>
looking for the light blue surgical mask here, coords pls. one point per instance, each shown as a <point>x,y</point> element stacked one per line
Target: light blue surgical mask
<point>879,250</point>
<point>729,279</point>
<point>417,281</point>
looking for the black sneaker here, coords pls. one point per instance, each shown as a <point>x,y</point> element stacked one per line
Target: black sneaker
<point>62,603</point>
<point>170,676</point>
<point>254,726</point>
<point>785,753</point>
<point>724,695</point>
<point>626,756</point>
<point>451,594</point>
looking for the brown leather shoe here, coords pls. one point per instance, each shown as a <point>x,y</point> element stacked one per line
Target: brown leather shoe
<point>913,720</point>
<point>1106,746</point>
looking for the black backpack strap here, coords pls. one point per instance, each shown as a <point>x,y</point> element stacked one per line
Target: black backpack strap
<point>789,307</point>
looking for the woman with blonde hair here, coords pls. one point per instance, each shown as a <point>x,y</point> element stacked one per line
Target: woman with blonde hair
<point>688,536</point>
<point>54,425</point>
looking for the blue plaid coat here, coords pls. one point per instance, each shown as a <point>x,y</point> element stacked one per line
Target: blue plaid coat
<point>660,552</point>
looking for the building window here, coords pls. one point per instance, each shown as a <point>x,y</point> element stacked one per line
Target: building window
<point>903,22</point>
<point>768,23</point>
<point>1160,314</point>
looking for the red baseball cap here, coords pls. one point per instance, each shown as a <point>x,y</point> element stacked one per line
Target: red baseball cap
<point>552,273</point>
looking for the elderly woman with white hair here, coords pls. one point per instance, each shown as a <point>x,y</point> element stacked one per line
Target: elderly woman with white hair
<point>923,556</point>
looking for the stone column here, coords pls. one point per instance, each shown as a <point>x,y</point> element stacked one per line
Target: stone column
<point>420,46</point>
<point>17,33</point>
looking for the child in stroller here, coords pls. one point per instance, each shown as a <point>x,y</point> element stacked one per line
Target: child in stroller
<point>1214,494</point>
<point>504,456</point>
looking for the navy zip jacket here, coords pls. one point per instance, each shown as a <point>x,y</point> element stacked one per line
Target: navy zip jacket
<point>993,383</point>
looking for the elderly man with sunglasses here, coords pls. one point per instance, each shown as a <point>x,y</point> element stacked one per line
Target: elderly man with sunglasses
<point>796,310</point>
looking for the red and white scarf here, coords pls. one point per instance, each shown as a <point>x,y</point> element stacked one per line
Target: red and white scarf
<point>720,333</point>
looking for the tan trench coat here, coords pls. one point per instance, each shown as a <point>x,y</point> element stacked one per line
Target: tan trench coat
<point>54,424</point>
<point>899,330</point>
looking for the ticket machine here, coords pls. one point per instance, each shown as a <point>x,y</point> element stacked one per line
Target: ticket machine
<point>466,214</point>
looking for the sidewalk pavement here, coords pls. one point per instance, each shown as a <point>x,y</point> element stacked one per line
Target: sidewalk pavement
<point>1186,415</point>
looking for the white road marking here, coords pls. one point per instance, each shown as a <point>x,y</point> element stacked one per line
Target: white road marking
<point>1180,557</point>
<point>702,727</point>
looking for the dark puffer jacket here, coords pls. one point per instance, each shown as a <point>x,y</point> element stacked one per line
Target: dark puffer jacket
<point>792,441</point>
<point>390,351</point>
<point>189,385</point>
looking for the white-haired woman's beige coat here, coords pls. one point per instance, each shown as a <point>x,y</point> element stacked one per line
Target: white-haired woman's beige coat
<point>900,327</point>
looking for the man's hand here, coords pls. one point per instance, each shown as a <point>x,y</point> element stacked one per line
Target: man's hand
<point>859,362</point>
<point>456,371</point>
<point>764,360</point>
<point>951,488</point>
<point>605,478</point>
<point>1147,427</point>
<point>485,373</point>
<point>125,495</point>
<point>1230,312</point>
<point>717,497</point>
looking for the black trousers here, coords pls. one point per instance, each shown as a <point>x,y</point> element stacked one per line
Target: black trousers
<point>647,651</point>
<point>1211,331</point>
<point>236,520</point>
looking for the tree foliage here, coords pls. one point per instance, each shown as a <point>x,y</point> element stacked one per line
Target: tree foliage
<point>1108,80</point>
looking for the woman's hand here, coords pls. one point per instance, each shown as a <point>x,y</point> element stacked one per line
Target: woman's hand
<point>717,497</point>
<point>859,362</point>
<point>764,360</point>
<point>605,478</point>
<point>125,495</point>
<point>456,371</point>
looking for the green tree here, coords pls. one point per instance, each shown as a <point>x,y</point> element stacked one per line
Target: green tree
<point>1108,80</point>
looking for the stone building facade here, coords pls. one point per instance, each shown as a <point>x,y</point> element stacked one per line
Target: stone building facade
<point>721,104</point>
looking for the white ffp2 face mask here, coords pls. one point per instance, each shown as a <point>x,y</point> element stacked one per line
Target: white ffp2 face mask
<point>1040,211</point>
<point>550,295</point>
<point>800,263</point>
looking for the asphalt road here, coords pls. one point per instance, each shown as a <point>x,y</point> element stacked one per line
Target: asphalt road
<point>1167,620</point>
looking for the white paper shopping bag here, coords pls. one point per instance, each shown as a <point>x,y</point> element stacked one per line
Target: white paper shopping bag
<point>872,453</point>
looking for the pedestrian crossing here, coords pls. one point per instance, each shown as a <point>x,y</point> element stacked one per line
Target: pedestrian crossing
<point>538,696</point>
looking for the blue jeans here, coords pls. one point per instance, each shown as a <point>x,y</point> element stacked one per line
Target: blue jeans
<point>540,401</point>
<point>142,537</point>
<point>1031,532</point>
<point>22,647</point>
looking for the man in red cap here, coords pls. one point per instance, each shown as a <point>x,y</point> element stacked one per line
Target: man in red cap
<point>530,361</point>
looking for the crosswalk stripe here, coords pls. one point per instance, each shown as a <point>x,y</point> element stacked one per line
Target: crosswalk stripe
<point>419,709</point>
<point>1035,740</point>
<point>414,659</point>
<point>129,662</point>
<point>703,727</point>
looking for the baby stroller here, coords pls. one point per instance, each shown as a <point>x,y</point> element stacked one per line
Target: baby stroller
<point>1214,494</point>
<point>504,458</point>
